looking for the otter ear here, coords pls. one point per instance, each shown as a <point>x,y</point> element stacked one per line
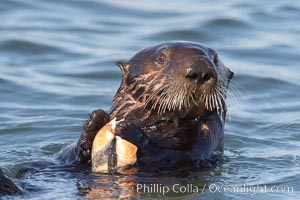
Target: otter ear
<point>123,66</point>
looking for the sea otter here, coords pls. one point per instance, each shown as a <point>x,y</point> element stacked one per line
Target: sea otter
<point>171,105</point>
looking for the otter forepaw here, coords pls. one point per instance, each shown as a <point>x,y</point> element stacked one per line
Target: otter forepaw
<point>98,118</point>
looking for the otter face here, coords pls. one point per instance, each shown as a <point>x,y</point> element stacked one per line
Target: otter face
<point>177,76</point>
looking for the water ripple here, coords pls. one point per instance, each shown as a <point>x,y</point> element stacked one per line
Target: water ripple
<point>57,63</point>
<point>27,47</point>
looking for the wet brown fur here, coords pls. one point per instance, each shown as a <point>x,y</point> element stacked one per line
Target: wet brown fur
<point>150,92</point>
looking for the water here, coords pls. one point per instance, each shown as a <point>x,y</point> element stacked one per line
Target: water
<point>57,64</point>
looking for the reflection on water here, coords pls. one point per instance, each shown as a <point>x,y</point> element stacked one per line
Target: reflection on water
<point>148,185</point>
<point>57,64</point>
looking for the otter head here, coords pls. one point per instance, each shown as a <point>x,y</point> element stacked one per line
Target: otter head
<point>176,76</point>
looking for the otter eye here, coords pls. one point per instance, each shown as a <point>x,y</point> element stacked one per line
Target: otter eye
<point>161,58</point>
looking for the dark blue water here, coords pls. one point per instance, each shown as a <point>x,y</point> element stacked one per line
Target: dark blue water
<point>57,64</point>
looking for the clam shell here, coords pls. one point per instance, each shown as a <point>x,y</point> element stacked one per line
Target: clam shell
<point>111,152</point>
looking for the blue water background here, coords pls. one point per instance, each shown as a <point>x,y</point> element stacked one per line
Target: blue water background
<point>57,63</point>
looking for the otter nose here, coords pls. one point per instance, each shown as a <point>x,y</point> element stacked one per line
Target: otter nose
<point>198,74</point>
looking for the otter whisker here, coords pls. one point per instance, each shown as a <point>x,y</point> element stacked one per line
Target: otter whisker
<point>168,101</point>
<point>177,100</point>
<point>213,99</point>
<point>186,96</point>
<point>232,91</point>
<point>219,98</point>
<point>152,96</point>
<point>156,102</point>
<point>170,98</point>
<point>162,98</point>
<point>192,97</point>
<point>239,90</point>
<point>232,95</point>
<point>171,101</point>
<point>174,98</point>
<point>206,101</point>
<point>211,106</point>
<point>223,98</point>
<point>182,98</point>
<point>203,96</point>
<point>216,102</point>
<point>221,89</point>
<point>216,97</point>
<point>209,101</point>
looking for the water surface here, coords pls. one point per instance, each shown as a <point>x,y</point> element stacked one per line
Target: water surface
<point>57,63</point>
